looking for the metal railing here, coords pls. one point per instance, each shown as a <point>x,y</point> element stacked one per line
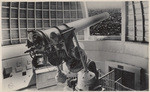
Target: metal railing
<point>120,87</point>
<point>108,82</point>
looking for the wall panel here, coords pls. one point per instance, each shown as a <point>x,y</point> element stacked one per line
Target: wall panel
<point>137,24</point>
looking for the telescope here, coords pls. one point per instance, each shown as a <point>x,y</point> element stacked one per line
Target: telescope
<point>59,44</point>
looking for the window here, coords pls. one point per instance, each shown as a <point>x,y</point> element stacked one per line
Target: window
<point>108,27</point>
<point>20,17</point>
<point>137,21</point>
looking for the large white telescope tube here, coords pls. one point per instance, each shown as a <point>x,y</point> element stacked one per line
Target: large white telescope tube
<point>40,40</point>
<point>80,24</point>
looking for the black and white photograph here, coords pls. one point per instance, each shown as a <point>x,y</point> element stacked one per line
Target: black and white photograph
<point>74,45</point>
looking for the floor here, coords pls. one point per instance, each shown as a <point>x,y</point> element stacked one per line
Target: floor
<point>58,87</point>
